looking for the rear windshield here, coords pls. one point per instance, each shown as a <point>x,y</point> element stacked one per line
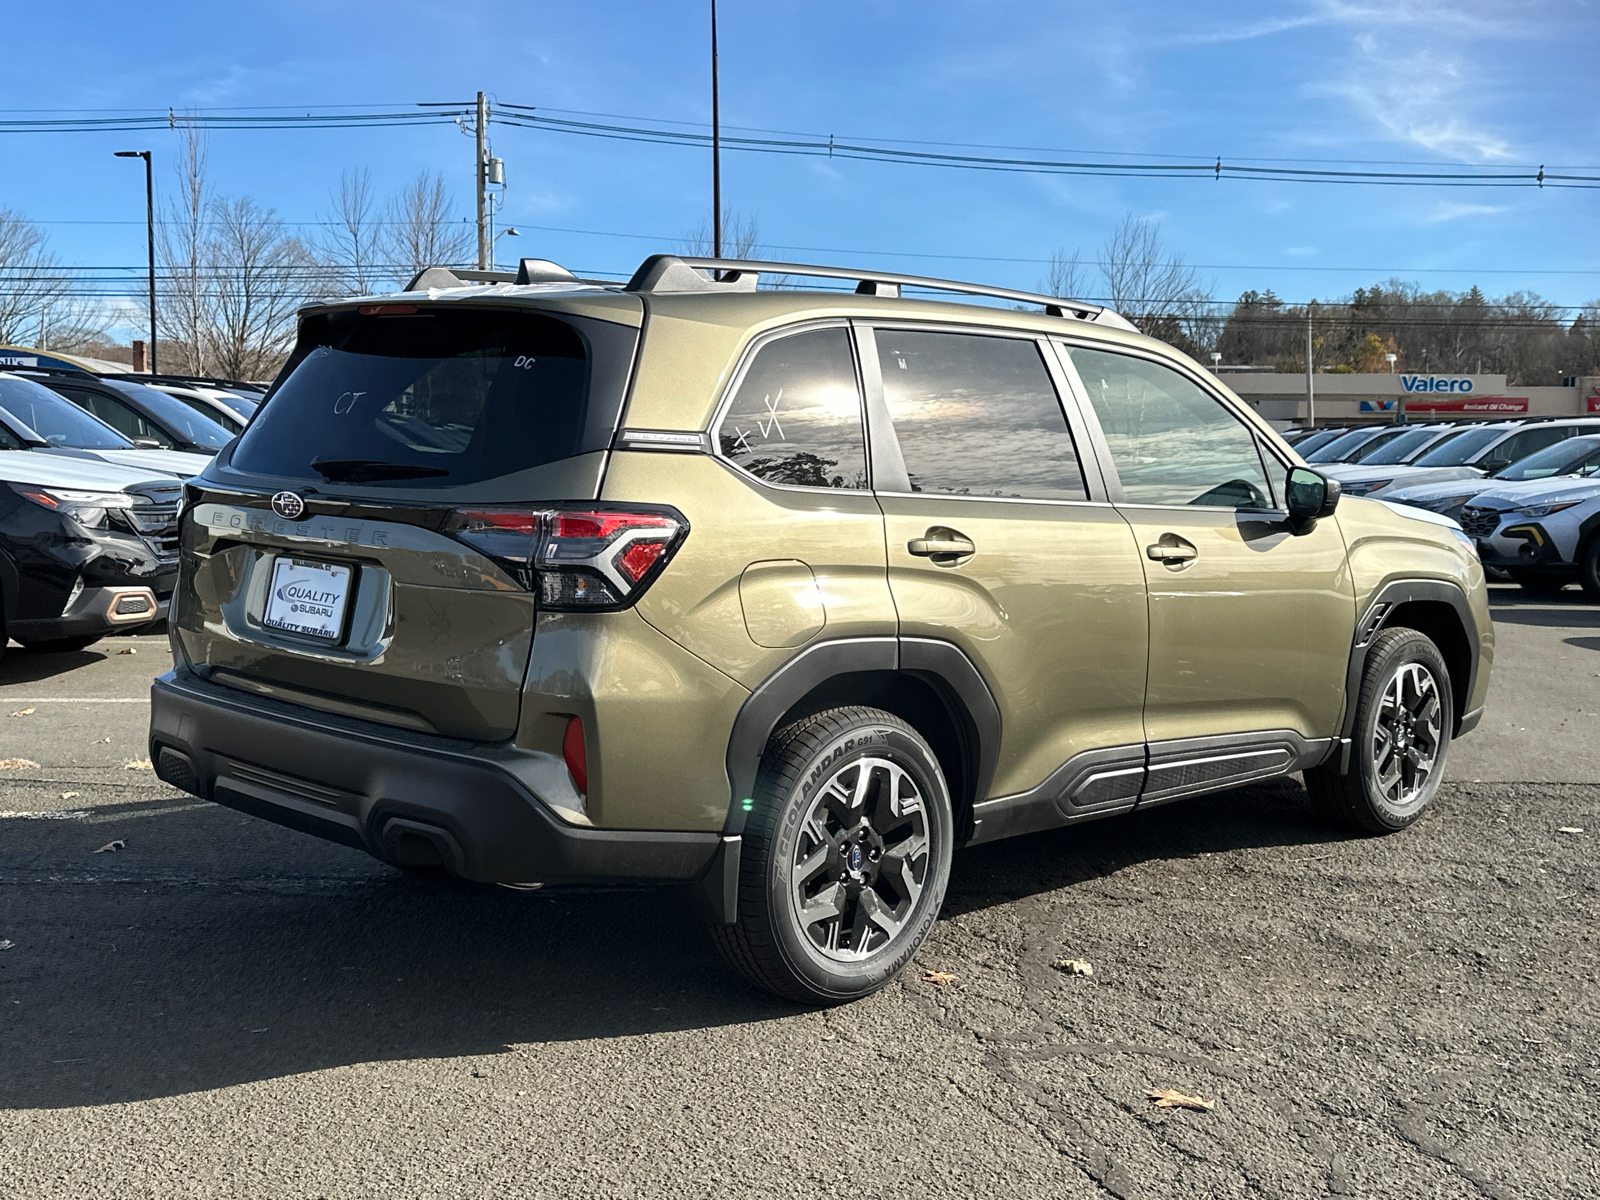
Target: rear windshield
<point>1335,450</point>
<point>1457,450</point>
<point>438,397</point>
<point>59,422</point>
<point>175,415</point>
<point>1564,458</point>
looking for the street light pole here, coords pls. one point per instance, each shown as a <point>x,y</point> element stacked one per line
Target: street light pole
<point>150,238</point>
<point>716,146</point>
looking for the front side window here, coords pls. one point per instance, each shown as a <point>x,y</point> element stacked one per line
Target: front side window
<point>977,416</point>
<point>796,418</point>
<point>1172,442</point>
<point>118,415</point>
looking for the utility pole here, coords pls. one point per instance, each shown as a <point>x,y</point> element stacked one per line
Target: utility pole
<point>716,146</point>
<point>1311,395</point>
<point>483,167</point>
<point>150,238</point>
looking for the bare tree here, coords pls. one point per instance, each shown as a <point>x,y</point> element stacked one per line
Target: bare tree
<point>1066,277</point>
<point>186,310</point>
<point>351,248</point>
<point>740,238</point>
<point>259,283</point>
<point>422,230</point>
<point>36,300</point>
<point>1153,287</point>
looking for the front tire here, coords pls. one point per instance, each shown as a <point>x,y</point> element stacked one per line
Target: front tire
<point>844,860</point>
<point>1589,569</point>
<point>1405,716</point>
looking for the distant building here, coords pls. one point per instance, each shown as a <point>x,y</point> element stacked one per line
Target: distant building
<point>1348,399</point>
<point>22,356</point>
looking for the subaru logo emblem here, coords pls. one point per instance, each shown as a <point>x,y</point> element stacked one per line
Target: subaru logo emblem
<point>855,857</point>
<point>288,506</point>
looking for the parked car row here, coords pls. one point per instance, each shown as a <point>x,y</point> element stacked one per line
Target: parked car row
<point>1527,492</point>
<point>91,478</point>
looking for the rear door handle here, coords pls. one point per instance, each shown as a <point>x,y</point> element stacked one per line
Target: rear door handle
<point>1172,549</point>
<point>940,542</point>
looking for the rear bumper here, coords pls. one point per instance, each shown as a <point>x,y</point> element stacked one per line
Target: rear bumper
<point>403,797</point>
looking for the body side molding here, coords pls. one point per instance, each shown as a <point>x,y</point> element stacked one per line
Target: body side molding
<point>1116,779</point>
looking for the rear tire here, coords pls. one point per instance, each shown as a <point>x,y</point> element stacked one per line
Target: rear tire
<point>1589,569</point>
<point>1537,582</point>
<point>1405,716</point>
<point>60,645</point>
<point>844,860</point>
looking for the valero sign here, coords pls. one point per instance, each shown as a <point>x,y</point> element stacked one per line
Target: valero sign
<point>1436,383</point>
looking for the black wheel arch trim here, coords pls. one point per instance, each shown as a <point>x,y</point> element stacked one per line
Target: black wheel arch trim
<point>1380,609</point>
<point>940,663</point>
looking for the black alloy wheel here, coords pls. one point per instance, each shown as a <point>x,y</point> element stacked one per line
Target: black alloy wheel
<point>844,859</point>
<point>1405,718</point>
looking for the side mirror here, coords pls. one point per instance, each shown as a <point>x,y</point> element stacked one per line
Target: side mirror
<point>144,443</point>
<point>1310,497</point>
<point>1493,466</point>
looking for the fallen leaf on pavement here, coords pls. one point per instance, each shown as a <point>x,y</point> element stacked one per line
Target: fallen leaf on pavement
<point>1167,1098</point>
<point>113,847</point>
<point>137,764</point>
<point>70,795</point>
<point>1074,966</point>
<point>942,978</point>
<point>1563,829</point>
<point>16,764</point>
<point>5,945</point>
<point>25,712</point>
<point>127,650</point>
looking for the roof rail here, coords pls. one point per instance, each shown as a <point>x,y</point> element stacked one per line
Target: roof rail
<point>529,270</point>
<point>676,273</point>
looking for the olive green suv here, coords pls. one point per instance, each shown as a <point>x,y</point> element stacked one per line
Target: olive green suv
<point>782,595</point>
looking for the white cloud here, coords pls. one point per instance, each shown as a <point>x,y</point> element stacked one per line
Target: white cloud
<point>1454,210</point>
<point>1420,97</point>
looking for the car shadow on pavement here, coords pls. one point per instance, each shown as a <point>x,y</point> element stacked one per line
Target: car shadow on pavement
<point>19,665</point>
<point>1274,813</point>
<point>214,949</point>
<point>1555,609</point>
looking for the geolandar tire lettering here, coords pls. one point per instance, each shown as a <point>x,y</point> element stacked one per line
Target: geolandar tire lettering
<point>1405,718</point>
<point>846,857</point>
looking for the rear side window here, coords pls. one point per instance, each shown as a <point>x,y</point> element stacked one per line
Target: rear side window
<point>1520,445</point>
<point>977,416</point>
<point>796,418</point>
<point>438,397</point>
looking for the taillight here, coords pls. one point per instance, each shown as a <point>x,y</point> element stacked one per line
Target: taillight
<point>577,559</point>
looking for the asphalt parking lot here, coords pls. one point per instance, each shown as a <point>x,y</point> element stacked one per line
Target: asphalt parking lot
<point>219,1007</point>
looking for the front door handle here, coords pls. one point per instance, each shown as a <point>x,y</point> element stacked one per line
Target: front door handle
<point>1172,549</point>
<point>940,542</point>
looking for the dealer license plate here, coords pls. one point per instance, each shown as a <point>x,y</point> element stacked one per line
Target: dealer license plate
<point>308,597</point>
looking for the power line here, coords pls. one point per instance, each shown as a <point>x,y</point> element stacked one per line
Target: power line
<point>815,145</point>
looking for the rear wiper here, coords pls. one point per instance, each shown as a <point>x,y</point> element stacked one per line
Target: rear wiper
<point>368,470</point>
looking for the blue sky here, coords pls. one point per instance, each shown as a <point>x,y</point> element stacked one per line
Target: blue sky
<point>1402,80</point>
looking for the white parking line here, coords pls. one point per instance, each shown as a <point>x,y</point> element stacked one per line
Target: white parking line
<point>74,699</point>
